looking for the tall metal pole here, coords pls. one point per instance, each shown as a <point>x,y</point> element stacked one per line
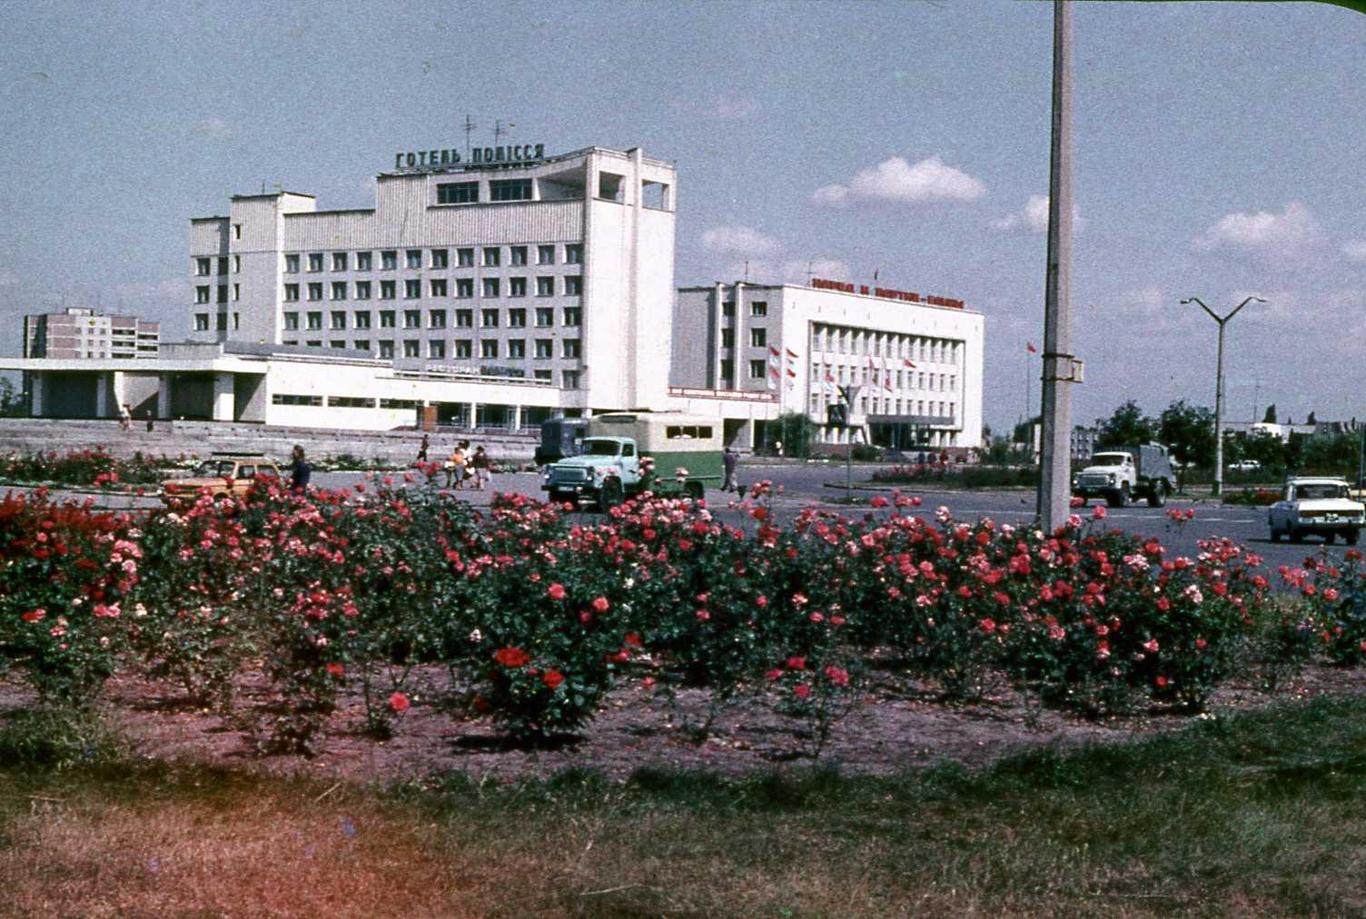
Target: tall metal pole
<point>1219,388</point>
<point>1055,461</point>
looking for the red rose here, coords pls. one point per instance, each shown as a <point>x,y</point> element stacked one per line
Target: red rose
<point>512,657</point>
<point>802,691</point>
<point>601,605</point>
<point>552,678</point>
<point>336,670</point>
<point>34,615</point>
<point>399,702</point>
<point>555,591</point>
<point>796,663</point>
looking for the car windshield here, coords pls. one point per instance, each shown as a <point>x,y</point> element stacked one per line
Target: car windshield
<point>601,447</point>
<point>210,469</point>
<point>1321,490</point>
<point>1109,459</point>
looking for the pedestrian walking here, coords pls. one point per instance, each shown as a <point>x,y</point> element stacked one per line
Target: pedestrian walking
<point>730,462</point>
<point>125,417</point>
<point>299,472</point>
<point>455,467</point>
<point>422,450</point>
<point>483,468</point>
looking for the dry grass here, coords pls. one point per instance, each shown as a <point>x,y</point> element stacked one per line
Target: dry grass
<point>1256,816</point>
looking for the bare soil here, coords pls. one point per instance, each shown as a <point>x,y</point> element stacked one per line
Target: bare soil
<point>894,726</point>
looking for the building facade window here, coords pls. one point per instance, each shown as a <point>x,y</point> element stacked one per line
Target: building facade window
<point>315,261</point>
<point>516,287</point>
<point>201,267</point>
<point>441,258</point>
<point>292,263</point>
<point>516,348</point>
<point>436,349</point>
<point>758,308</point>
<point>362,320</point>
<point>490,287</point>
<point>545,317</point>
<point>388,260</point>
<point>758,338</point>
<point>545,348</point>
<point>338,320</point>
<point>315,291</point>
<point>387,319</point>
<point>457,193</point>
<point>573,254</point>
<point>464,348</point>
<point>573,285</point>
<point>413,258</point>
<point>361,344</point>
<point>386,349</point>
<point>362,290</point>
<point>412,319</point>
<point>570,379</point>
<point>464,288</point>
<point>464,258</point>
<point>291,322</point>
<point>412,288</point>
<point>338,290</point>
<point>363,261</point>
<point>201,294</point>
<point>492,256</point>
<point>464,319</point>
<point>436,319</point>
<point>436,287</point>
<point>757,369</point>
<point>510,190</point>
<point>545,255</point>
<point>315,321</point>
<point>517,255</point>
<point>545,286</point>
<point>728,338</point>
<point>488,319</point>
<point>338,261</point>
<point>488,348</point>
<point>573,316</point>
<point>387,290</point>
<point>412,347</point>
<point>517,318</point>
<point>291,293</point>
<point>570,348</point>
<point>222,264</point>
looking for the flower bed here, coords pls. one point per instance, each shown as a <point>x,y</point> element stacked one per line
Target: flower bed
<point>537,615</point>
<point>94,466</point>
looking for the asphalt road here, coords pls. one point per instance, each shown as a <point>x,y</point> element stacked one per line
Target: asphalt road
<point>800,485</point>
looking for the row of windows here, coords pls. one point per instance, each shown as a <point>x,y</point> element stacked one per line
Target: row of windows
<point>201,322</point>
<point>203,292</point>
<point>490,257</point>
<point>757,308</point>
<point>758,338</point>
<point>570,317</point>
<point>203,265</point>
<point>543,349</point>
<point>900,379</point>
<point>844,340</point>
<point>569,379</point>
<point>468,192</point>
<point>571,286</point>
<point>889,406</point>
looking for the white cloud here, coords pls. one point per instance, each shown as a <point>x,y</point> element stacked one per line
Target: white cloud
<point>216,128</point>
<point>1355,250</point>
<point>732,108</point>
<point>898,181</point>
<point>1033,216</point>
<point>1264,233</point>
<point>738,240</point>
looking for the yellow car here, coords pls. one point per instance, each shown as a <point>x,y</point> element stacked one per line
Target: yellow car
<point>222,474</point>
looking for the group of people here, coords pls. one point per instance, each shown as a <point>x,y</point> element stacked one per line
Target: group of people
<point>126,418</point>
<point>461,465</point>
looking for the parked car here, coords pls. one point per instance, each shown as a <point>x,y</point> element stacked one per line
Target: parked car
<point>1319,506</point>
<point>222,474</point>
<point>1244,466</point>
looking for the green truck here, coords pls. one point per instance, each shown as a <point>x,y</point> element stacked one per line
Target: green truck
<point>626,453</point>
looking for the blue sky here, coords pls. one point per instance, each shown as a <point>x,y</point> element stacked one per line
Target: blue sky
<point>1218,153</point>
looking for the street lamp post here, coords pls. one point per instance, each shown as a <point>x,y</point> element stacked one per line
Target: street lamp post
<point>1219,387</point>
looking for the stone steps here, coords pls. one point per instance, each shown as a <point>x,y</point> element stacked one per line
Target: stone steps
<point>174,438</point>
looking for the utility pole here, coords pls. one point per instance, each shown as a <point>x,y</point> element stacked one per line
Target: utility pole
<point>849,393</point>
<point>1059,372</point>
<point>1219,388</point>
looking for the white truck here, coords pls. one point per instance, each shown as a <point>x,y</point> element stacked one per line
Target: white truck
<point>1122,474</point>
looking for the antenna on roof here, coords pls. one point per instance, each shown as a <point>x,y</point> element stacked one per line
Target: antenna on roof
<point>808,274</point>
<point>746,271</point>
<point>469,127</point>
<point>499,130</point>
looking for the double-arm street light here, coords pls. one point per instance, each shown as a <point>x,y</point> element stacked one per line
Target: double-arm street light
<point>1219,387</point>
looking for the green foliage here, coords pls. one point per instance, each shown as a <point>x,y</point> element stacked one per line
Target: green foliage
<point>1126,427</point>
<point>797,432</point>
<point>92,466</point>
<point>1188,431</point>
<point>55,737</point>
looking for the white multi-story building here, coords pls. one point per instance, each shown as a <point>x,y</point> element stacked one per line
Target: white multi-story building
<point>917,359</point>
<point>87,334</point>
<point>546,273</point>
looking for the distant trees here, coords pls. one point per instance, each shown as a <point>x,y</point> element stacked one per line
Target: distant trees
<point>1128,425</point>
<point>1188,430</point>
<point>1270,416</point>
<point>11,400</point>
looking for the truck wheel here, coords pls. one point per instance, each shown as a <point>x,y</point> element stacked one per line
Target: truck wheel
<point>1351,536</point>
<point>1119,498</point>
<point>1157,495</point>
<point>1275,535</point>
<point>611,495</point>
<point>1296,536</point>
<point>561,497</point>
<point>693,490</point>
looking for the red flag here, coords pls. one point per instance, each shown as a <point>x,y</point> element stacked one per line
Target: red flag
<point>792,354</point>
<point>908,363</point>
<point>773,371</point>
<point>774,351</point>
<point>791,372</point>
<point>829,378</point>
<point>1029,346</point>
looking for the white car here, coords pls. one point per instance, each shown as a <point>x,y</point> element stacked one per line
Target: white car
<point>1321,506</point>
<point>1244,466</point>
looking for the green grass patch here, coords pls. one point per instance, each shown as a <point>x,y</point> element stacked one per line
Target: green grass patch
<point>1251,815</point>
